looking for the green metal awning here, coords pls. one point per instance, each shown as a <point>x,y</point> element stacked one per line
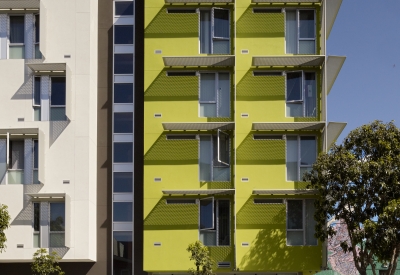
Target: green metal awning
<point>334,64</point>
<point>291,60</point>
<point>286,1</point>
<point>197,126</point>
<point>47,67</point>
<point>20,4</point>
<point>199,61</point>
<point>198,1</point>
<point>284,126</point>
<point>334,130</point>
<point>285,192</point>
<point>200,192</point>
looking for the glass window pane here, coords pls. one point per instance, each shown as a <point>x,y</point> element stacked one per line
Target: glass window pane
<point>123,8</point>
<point>122,251</point>
<point>293,86</point>
<point>221,46</point>
<point>17,154</point>
<point>207,214</point>
<point>35,154</point>
<point>294,109</point>
<point>36,90</point>
<point>57,216</point>
<point>122,211</point>
<point>36,240</point>
<point>205,158</point>
<point>308,150</point>
<point>123,182</point>
<point>123,152</point>
<point>17,30</point>
<point>208,110</point>
<point>15,176</point>
<point>310,95</point>
<point>123,93</point>
<point>310,223</point>
<point>223,146</point>
<point>123,122</point>
<point>17,52</point>
<point>38,54</point>
<point>57,114</point>
<point>123,34</point>
<point>36,217</point>
<point>295,214</point>
<point>57,239</point>
<point>37,28</point>
<point>207,87</point>
<point>307,47</point>
<point>221,173</point>
<point>291,158</point>
<point>291,32</point>
<point>221,23</point>
<point>223,223</point>
<point>307,25</point>
<point>58,91</point>
<point>205,31</point>
<point>36,114</point>
<point>295,238</point>
<point>224,95</point>
<point>208,237</point>
<point>123,63</point>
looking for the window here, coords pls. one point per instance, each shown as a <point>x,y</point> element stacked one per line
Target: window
<point>301,95</point>
<point>35,161</point>
<point>36,225</point>
<point>57,100</point>
<point>122,252</point>
<point>123,93</point>
<point>300,224</point>
<point>17,37</point>
<point>123,34</point>
<point>123,182</point>
<point>214,98</point>
<point>300,31</point>
<point>124,8</point>
<point>214,227</point>
<point>38,54</point>
<point>301,153</point>
<point>36,98</point>
<point>214,31</point>
<point>123,122</point>
<point>123,152</point>
<point>122,212</point>
<point>16,162</point>
<point>57,224</point>
<point>123,63</point>
<point>214,159</point>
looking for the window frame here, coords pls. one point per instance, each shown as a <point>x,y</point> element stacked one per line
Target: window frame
<point>51,92</point>
<point>299,165</point>
<point>298,39</point>
<point>304,220</point>
<point>303,101</point>
<point>35,232</point>
<point>212,29</point>
<point>35,92</point>
<point>10,45</point>
<point>59,231</point>
<point>215,202</point>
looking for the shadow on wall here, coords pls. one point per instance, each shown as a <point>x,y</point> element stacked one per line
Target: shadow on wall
<point>260,24</point>
<point>173,25</point>
<point>172,216</point>
<point>261,152</point>
<point>24,217</point>
<point>172,152</point>
<point>56,129</point>
<point>26,89</point>
<point>61,251</point>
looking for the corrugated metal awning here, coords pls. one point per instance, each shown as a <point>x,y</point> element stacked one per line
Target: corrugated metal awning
<point>198,1</point>
<point>20,4</point>
<point>19,131</point>
<point>334,130</point>
<point>285,1</point>
<point>332,9</point>
<point>200,192</point>
<point>334,64</point>
<point>47,67</point>
<point>196,126</point>
<point>288,126</point>
<point>198,61</point>
<point>292,60</point>
<point>46,195</point>
<point>285,192</point>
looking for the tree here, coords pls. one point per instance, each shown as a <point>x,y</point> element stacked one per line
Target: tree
<point>202,260</point>
<point>4,224</point>
<point>45,263</point>
<point>359,183</point>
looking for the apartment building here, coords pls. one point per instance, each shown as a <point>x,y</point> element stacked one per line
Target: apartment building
<point>67,78</point>
<point>235,97</point>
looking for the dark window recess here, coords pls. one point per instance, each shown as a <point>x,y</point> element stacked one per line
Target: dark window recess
<point>123,182</point>
<point>123,8</point>
<point>268,201</point>
<point>181,201</point>
<point>57,216</point>
<point>123,34</point>
<point>223,222</point>
<point>37,28</point>
<point>123,93</point>
<point>267,11</point>
<point>181,73</point>
<point>17,29</point>
<point>123,63</point>
<point>16,154</point>
<point>181,10</point>
<point>36,91</point>
<point>122,212</point>
<point>268,137</point>
<point>122,261</point>
<point>123,152</point>
<point>175,137</point>
<point>35,154</point>
<point>36,216</point>
<point>57,91</point>
<point>123,123</point>
<point>267,73</point>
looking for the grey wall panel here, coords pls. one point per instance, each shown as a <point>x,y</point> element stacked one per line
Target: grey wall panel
<point>29,33</point>
<point>45,99</point>
<point>3,160</point>
<point>28,155</point>
<point>3,35</point>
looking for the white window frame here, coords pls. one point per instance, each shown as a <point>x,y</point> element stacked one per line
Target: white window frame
<point>298,29</point>
<point>215,220</point>
<point>10,45</point>
<point>212,29</point>
<point>303,99</point>
<point>299,166</point>
<point>304,214</point>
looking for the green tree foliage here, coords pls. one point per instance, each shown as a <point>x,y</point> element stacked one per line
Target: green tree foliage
<point>200,255</point>
<point>359,183</point>
<point>45,263</point>
<point>4,224</point>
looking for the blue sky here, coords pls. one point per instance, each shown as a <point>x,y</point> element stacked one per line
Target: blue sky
<point>367,32</point>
